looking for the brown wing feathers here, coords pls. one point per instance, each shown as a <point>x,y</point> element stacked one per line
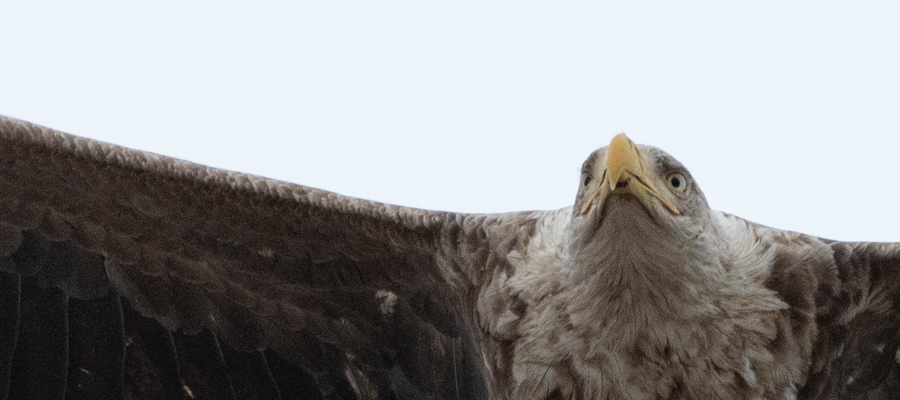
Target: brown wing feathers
<point>858,318</point>
<point>261,262</point>
<point>844,301</point>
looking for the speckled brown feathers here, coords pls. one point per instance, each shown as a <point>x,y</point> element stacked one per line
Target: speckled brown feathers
<point>127,274</point>
<point>264,264</point>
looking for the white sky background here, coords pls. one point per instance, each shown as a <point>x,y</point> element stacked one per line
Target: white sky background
<point>787,113</point>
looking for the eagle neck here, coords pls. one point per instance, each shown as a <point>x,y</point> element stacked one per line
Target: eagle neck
<point>639,273</point>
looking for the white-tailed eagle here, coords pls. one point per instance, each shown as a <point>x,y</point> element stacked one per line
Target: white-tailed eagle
<point>130,275</point>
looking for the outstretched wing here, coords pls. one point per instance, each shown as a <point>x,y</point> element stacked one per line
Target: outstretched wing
<point>844,312</point>
<point>857,351</point>
<point>368,298</point>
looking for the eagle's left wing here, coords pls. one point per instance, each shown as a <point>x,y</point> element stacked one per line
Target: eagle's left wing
<point>844,313</point>
<point>857,347</point>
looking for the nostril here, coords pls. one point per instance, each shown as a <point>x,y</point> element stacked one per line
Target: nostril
<point>623,183</point>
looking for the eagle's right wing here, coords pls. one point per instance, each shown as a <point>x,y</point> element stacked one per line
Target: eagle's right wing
<point>369,298</point>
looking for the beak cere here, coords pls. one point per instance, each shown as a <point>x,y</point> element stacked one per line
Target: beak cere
<point>624,172</point>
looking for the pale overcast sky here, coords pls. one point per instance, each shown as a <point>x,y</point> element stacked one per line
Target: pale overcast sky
<point>786,112</point>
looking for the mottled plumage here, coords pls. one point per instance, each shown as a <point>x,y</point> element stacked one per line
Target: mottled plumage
<point>125,274</point>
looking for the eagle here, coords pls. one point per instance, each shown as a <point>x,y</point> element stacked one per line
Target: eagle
<point>131,275</point>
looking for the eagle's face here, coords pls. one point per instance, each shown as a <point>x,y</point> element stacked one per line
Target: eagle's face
<point>639,211</point>
<point>640,183</point>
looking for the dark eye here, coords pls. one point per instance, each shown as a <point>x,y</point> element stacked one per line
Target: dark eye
<point>678,182</point>
<point>587,180</point>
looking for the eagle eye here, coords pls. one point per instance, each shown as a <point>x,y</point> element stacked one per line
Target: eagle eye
<point>678,182</point>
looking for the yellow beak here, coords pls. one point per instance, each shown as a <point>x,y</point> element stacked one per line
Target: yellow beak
<point>624,171</point>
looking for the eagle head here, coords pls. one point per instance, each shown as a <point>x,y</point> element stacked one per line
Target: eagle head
<point>641,225</point>
<point>616,176</point>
